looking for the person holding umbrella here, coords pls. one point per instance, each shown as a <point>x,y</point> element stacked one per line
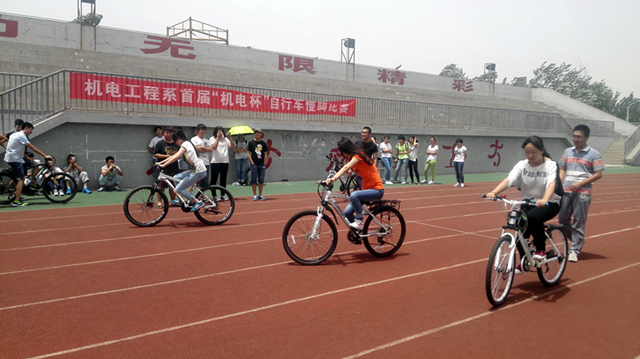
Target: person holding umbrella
<point>240,153</point>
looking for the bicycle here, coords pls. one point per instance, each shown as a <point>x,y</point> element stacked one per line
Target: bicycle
<point>46,182</point>
<point>502,263</point>
<point>348,182</point>
<point>310,237</point>
<point>147,205</point>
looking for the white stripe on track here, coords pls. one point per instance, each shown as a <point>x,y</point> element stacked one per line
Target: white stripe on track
<point>472,318</point>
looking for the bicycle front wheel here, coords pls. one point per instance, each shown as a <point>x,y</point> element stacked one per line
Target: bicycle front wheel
<point>556,250</point>
<point>146,206</point>
<point>53,188</point>
<point>302,245</point>
<point>216,210</point>
<point>390,235</point>
<point>7,188</point>
<point>352,186</point>
<point>499,277</point>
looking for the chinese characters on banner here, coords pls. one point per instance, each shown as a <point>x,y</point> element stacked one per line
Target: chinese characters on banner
<point>462,85</point>
<point>496,147</point>
<point>299,64</point>
<point>394,77</point>
<point>119,89</point>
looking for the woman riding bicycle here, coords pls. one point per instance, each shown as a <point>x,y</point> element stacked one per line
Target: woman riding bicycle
<point>372,187</point>
<point>535,177</point>
<point>197,172</point>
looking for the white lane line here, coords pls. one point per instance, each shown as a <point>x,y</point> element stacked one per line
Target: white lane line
<point>276,305</point>
<point>472,318</point>
<point>338,291</point>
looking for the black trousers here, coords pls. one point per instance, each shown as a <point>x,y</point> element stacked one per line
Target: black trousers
<point>536,216</point>
<point>413,168</point>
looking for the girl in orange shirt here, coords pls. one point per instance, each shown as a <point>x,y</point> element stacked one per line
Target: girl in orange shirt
<point>372,187</point>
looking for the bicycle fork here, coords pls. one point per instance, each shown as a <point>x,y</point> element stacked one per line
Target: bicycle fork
<point>316,224</point>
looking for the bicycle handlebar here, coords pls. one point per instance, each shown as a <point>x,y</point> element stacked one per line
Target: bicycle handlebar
<point>512,202</point>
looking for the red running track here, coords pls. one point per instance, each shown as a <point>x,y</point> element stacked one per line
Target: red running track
<point>85,283</point>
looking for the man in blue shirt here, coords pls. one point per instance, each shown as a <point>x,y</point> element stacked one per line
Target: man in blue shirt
<point>15,158</point>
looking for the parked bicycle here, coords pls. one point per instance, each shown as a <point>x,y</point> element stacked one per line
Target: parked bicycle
<point>310,237</point>
<point>502,261</point>
<point>57,187</point>
<point>348,182</point>
<point>147,205</point>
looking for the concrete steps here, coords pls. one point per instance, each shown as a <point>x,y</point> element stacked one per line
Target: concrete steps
<point>615,153</point>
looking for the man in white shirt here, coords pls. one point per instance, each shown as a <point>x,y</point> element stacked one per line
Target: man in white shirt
<point>15,158</point>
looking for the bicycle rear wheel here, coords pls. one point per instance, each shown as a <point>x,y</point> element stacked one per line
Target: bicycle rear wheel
<point>146,206</point>
<point>55,184</point>
<point>551,272</point>
<point>387,244</point>
<point>499,278</point>
<point>216,210</point>
<point>304,248</point>
<point>7,188</point>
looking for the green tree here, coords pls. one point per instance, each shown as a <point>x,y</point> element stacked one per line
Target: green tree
<point>489,76</point>
<point>621,107</point>
<point>88,19</point>
<point>452,70</point>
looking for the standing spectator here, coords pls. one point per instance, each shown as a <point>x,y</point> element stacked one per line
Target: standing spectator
<point>386,150</point>
<point>17,127</point>
<point>79,175</point>
<point>203,146</point>
<point>369,144</point>
<point>432,154</point>
<point>580,166</point>
<point>110,175</point>
<point>258,153</point>
<point>152,144</point>
<point>413,159</point>
<point>240,156</point>
<point>164,149</point>
<point>459,155</point>
<point>402,156</point>
<point>14,156</point>
<point>188,177</point>
<point>220,143</point>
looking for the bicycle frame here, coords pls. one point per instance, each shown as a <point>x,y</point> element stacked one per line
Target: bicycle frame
<point>519,237</point>
<point>162,177</point>
<point>329,199</point>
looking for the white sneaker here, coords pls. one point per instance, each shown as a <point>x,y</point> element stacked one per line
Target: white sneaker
<point>456,185</point>
<point>573,256</point>
<point>388,182</point>
<point>461,184</point>
<point>423,181</point>
<point>59,192</point>
<point>235,184</point>
<point>430,182</point>
<point>357,224</point>
<point>404,182</point>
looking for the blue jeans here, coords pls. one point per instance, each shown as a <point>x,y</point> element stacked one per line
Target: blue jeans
<point>257,174</point>
<point>188,179</point>
<point>402,163</point>
<point>459,175</point>
<point>386,161</point>
<point>241,164</point>
<point>356,199</point>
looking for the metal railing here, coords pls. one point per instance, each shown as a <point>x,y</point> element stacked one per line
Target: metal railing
<point>9,80</point>
<point>44,97</point>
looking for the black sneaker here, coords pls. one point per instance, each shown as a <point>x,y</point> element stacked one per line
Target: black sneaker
<point>19,203</point>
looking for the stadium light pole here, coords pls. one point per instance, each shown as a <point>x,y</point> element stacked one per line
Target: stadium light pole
<point>628,107</point>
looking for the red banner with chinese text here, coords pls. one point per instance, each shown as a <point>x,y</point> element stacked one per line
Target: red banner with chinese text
<point>120,89</point>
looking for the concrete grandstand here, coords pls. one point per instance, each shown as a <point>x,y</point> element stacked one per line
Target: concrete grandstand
<point>97,91</point>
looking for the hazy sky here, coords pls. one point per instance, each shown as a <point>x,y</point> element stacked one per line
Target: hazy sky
<point>421,35</point>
